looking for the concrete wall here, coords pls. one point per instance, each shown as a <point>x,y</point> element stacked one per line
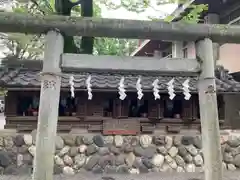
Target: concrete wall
<point>116,154</point>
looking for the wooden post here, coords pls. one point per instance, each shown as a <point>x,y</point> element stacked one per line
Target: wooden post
<point>48,109</point>
<point>209,112</point>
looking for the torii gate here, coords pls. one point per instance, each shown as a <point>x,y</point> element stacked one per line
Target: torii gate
<point>55,60</point>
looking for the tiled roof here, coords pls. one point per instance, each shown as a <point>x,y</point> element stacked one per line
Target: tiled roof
<point>22,77</point>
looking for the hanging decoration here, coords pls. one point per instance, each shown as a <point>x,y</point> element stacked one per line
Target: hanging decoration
<point>171,89</point>
<point>139,89</point>
<point>121,89</point>
<point>156,89</point>
<point>71,82</point>
<point>186,90</point>
<point>89,87</point>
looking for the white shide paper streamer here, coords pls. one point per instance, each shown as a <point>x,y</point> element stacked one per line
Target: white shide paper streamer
<point>171,89</point>
<point>139,89</point>
<point>186,90</point>
<point>156,89</point>
<point>121,89</point>
<point>71,82</point>
<point>89,87</point>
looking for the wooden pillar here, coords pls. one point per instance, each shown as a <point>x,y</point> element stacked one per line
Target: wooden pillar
<point>177,49</point>
<point>209,112</point>
<point>48,109</point>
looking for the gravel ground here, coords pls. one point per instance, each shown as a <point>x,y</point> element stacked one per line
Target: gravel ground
<point>154,176</point>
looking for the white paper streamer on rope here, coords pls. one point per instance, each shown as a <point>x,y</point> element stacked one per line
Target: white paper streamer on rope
<point>71,82</point>
<point>186,90</point>
<point>121,89</point>
<point>89,87</point>
<point>139,89</point>
<point>156,89</point>
<point>171,89</point>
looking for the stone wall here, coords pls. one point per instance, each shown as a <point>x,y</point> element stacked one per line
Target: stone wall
<point>119,154</point>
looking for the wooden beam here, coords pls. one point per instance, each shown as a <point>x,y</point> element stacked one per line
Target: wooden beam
<point>118,28</point>
<point>118,63</point>
<point>209,113</point>
<point>48,108</point>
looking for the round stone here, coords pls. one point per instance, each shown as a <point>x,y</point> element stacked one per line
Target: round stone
<point>114,150</point>
<point>198,160</point>
<point>28,139</point>
<point>68,171</point>
<point>69,140</point>
<point>159,140</point>
<point>139,151</point>
<point>98,140</point>
<point>18,140</point>
<point>129,159</point>
<point>64,151</point>
<point>82,148</point>
<point>192,150</point>
<point>127,148</point>
<point>180,161</point>
<point>118,141</point>
<point>177,140</point>
<point>108,139</point>
<point>79,140</point>
<point>158,160</point>
<point>27,159</point>
<point>187,140</point>
<point>103,151</point>
<point>188,158</point>
<point>59,144</point>
<point>165,168</point>
<point>73,151</point>
<point>227,157</point>
<point>231,167</point>
<point>91,162</point>
<point>182,151</point>
<point>19,160</point>
<point>236,160</point>
<point>197,142</point>
<point>173,151</point>
<point>8,142</point>
<point>67,160</point>
<point>91,149</point>
<point>79,160</point>
<point>233,141</point>
<point>1,142</point>
<point>32,150</point>
<point>145,140</point>
<point>120,159</point>
<point>190,168</point>
<point>168,141</point>
<point>88,139</point>
<point>134,171</point>
<point>180,169</point>
<point>34,135</point>
<point>58,161</point>
<point>162,150</point>
<point>5,159</point>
